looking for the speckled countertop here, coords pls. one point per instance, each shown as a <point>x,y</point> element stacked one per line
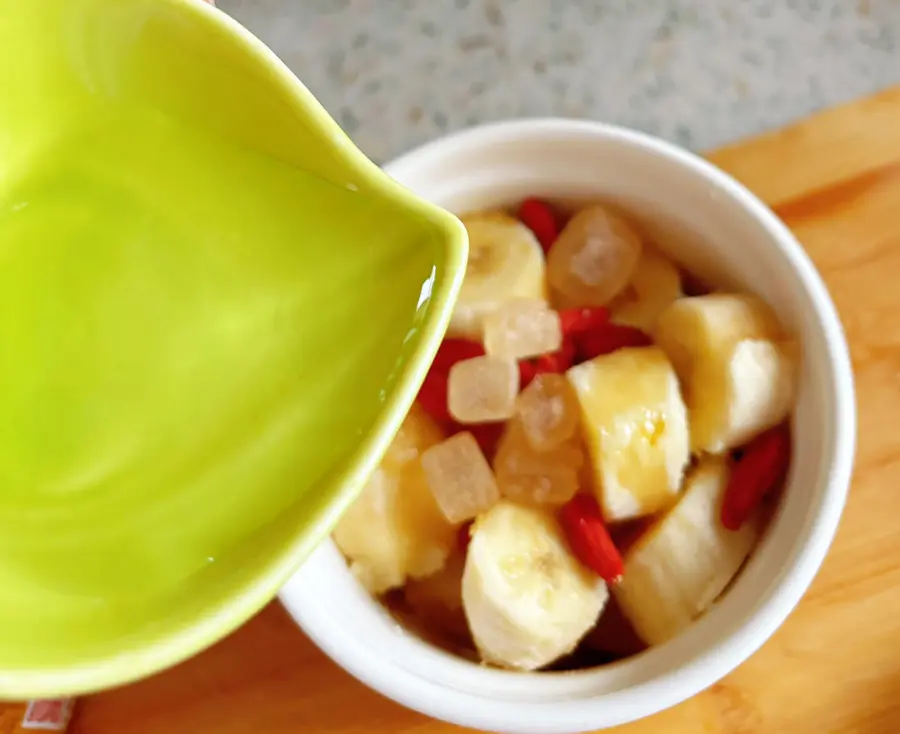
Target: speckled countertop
<point>700,72</point>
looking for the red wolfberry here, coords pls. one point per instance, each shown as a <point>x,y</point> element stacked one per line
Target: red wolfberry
<point>452,351</point>
<point>579,320</point>
<point>488,436</point>
<point>609,338</point>
<point>759,470</point>
<point>553,362</point>
<point>433,396</point>
<point>568,352</point>
<point>589,539</point>
<point>540,219</point>
<point>464,535</point>
<point>526,373</point>
<point>556,362</point>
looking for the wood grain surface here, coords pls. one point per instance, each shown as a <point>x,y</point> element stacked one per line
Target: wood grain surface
<point>834,668</point>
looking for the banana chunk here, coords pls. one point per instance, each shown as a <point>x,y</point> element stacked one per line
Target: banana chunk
<point>506,263</point>
<point>681,565</point>
<point>635,425</point>
<point>395,530</point>
<point>654,286</point>
<point>736,370</point>
<point>527,599</point>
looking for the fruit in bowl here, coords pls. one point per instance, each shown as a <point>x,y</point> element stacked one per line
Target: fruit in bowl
<point>696,226</point>
<point>593,455</point>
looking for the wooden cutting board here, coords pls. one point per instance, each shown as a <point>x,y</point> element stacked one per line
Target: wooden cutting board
<point>834,668</point>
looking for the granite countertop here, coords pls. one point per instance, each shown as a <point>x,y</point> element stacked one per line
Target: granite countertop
<point>396,73</point>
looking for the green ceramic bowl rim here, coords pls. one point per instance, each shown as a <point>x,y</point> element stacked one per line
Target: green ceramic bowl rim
<point>193,637</point>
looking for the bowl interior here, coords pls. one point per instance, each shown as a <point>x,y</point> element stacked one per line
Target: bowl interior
<point>214,314</point>
<point>721,233</point>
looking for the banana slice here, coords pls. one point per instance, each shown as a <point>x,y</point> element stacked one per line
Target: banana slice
<point>635,426</point>
<point>735,367</point>
<point>527,600</point>
<point>395,530</point>
<point>505,263</point>
<point>683,563</point>
<point>656,283</point>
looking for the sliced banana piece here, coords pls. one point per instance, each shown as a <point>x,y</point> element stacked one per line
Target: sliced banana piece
<point>686,560</point>
<point>395,530</point>
<point>527,600</point>
<point>736,368</point>
<point>505,263</point>
<point>635,426</point>
<point>656,283</point>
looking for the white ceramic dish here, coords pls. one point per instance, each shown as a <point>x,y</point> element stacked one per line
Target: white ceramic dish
<point>722,232</point>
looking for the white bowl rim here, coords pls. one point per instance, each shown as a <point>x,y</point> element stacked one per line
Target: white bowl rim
<point>414,690</point>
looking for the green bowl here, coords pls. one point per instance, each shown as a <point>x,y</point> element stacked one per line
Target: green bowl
<point>214,315</point>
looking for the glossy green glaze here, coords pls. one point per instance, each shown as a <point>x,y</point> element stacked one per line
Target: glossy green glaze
<point>214,314</point>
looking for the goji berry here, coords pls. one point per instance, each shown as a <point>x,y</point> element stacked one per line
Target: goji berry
<point>579,320</point>
<point>526,373</point>
<point>464,535</point>
<point>488,436</point>
<point>609,338</point>
<point>549,364</point>
<point>452,351</point>
<point>759,470</point>
<point>433,396</point>
<point>589,539</point>
<point>540,219</point>
<point>555,362</point>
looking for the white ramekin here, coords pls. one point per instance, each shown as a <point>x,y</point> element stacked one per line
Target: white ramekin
<point>722,232</point>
